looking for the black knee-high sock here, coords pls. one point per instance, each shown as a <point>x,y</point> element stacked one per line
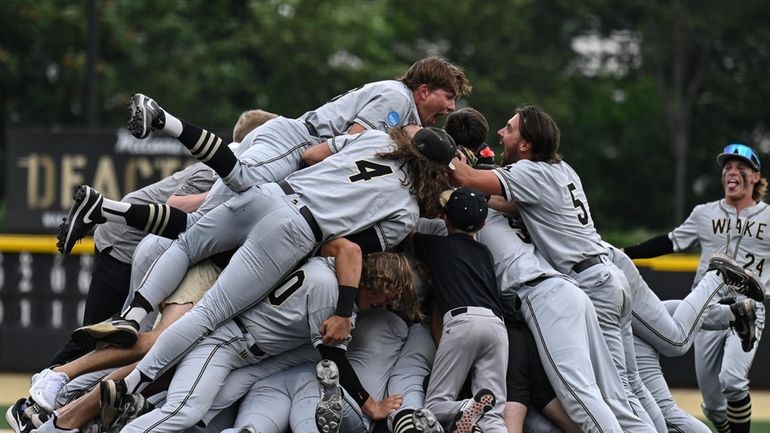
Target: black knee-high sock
<point>722,427</point>
<point>402,422</point>
<point>208,148</point>
<point>739,415</point>
<point>158,219</point>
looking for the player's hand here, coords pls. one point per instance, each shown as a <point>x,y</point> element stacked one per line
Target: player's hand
<point>336,330</point>
<point>378,410</point>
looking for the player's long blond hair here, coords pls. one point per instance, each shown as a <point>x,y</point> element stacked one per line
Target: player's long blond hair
<point>388,272</point>
<point>426,179</point>
<point>759,191</point>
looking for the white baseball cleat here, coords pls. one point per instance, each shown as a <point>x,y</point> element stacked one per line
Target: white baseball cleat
<point>328,412</point>
<point>473,409</point>
<point>46,386</point>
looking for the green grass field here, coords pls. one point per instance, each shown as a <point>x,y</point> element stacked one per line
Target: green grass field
<point>756,427</point>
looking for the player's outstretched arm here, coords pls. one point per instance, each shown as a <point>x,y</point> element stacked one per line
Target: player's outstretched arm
<point>654,247</point>
<point>348,265</point>
<point>483,180</point>
<point>316,153</point>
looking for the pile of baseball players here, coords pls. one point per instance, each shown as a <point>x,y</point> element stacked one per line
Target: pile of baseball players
<point>357,269</point>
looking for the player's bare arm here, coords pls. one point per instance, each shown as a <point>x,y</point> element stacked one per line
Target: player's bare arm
<point>500,204</point>
<point>349,261</point>
<point>187,203</point>
<point>483,180</point>
<point>356,128</point>
<point>316,153</point>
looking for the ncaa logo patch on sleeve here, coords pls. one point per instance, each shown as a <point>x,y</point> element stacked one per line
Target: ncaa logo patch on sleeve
<point>393,119</point>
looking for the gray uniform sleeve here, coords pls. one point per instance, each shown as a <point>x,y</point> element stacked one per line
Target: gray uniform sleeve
<point>392,231</point>
<point>339,142</point>
<point>686,235</point>
<point>199,179</point>
<point>434,226</point>
<point>390,108</point>
<point>520,181</point>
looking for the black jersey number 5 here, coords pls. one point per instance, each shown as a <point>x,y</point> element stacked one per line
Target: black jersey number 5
<point>367,170</point>
<point>581,216</point>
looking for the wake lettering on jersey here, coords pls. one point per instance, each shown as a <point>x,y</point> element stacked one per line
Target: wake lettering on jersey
<point>721,225</point>
<point>744,227</point>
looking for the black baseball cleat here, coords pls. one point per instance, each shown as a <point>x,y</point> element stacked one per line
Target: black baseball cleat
<point>743,280</point>
<point>328,412</point>
<point>745,313</point>
<point>16,418</point>
<point>115,331</point>
<point>146,116</point>
<point>467,417</point>
<point>132,406</point>
<point>84,214</point>
<point>112,397</point>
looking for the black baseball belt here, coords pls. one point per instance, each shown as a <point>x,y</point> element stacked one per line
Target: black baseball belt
<point>304,211</point>
<point>587,263</point>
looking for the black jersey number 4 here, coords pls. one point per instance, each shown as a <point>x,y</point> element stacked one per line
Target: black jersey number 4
<point>368,170</point>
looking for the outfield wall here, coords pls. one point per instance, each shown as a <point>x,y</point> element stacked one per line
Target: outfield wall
<point>42,299</point>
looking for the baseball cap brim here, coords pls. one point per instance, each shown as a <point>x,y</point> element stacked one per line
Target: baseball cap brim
<point>444,197</point>
<point>741,152</point>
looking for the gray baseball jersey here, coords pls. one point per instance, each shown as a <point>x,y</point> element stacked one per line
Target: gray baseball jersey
<point>120,240</point>
<point>291,315</point>
<point>554,208</point>
<point>721,365</point>
<point>360,186</point>
<point>275,149</point>
<point>717,227</point>
<point>379,105</point>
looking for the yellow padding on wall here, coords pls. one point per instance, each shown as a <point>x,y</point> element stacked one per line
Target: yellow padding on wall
<point>41,244</point>
<point>671,263</point>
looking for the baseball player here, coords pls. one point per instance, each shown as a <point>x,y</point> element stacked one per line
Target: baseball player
<point>466,295</point>
<point>294,216</point>
<point>290,315</point>
<point>553,206</point>
<point>735,226</point>
<point>428,89</point>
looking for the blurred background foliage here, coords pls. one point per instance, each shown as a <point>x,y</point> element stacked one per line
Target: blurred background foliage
<point>646,92</point>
